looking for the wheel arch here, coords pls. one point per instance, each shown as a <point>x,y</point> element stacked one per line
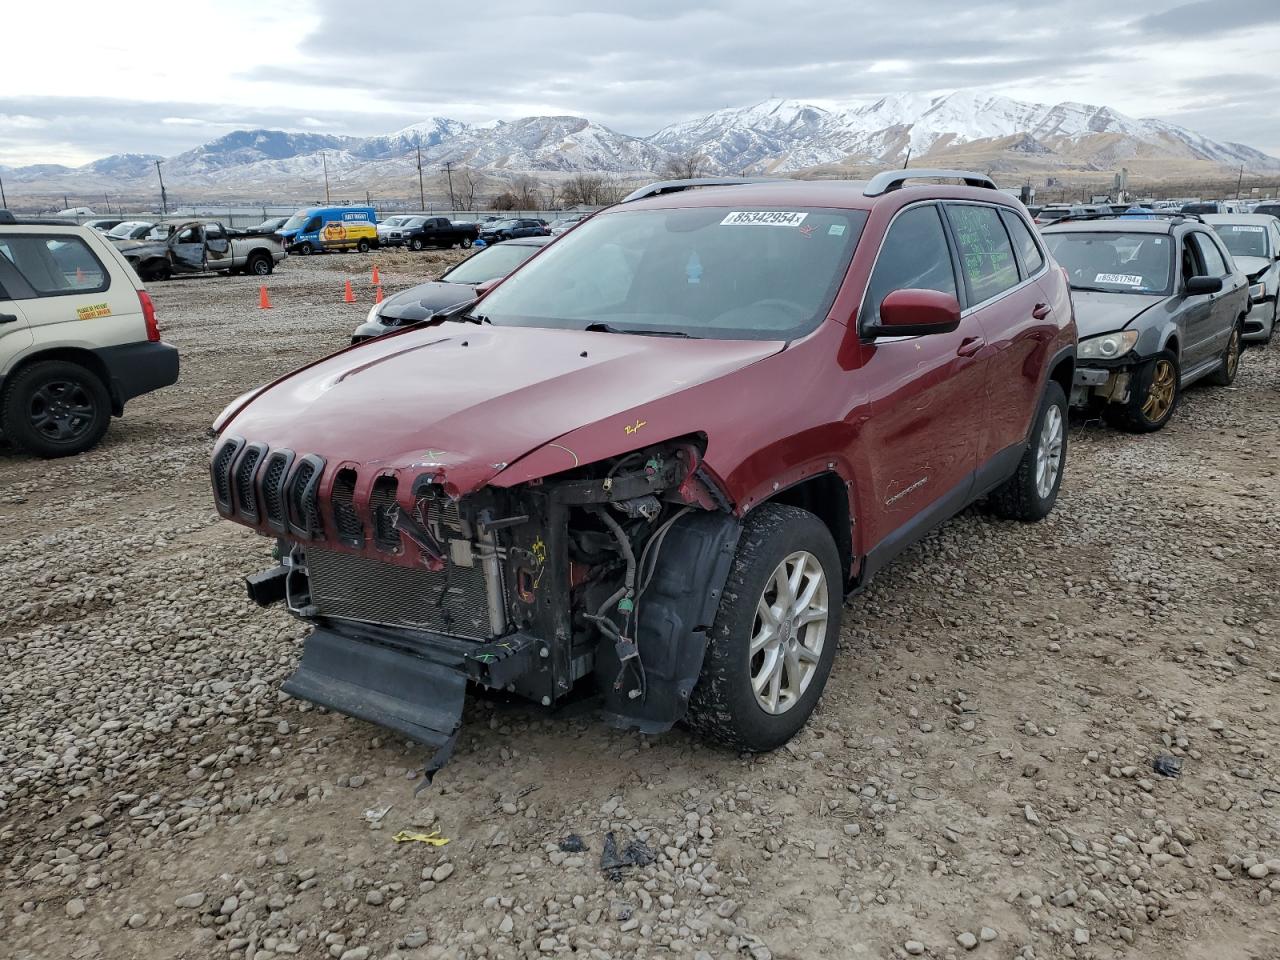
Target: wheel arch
<point>826,496</point>
<point>78,355</point>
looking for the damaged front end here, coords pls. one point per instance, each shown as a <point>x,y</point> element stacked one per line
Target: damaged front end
<point>609,573</point>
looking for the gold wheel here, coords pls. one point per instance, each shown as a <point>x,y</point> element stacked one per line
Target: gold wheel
<point>1164,385</point>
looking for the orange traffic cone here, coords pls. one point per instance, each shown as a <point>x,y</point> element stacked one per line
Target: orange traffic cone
<point>378,298</point>
<point>264,302</point>
<point>376,279</point>
<point>79,276</point>
<point>349,297</point>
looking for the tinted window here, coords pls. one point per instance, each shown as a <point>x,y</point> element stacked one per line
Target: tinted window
<point>490,263</point>
<point>986,256</point>
<point>1214,265</point>
<point>1032,258</point>
<point>1200,208</point>
<point>700,271</point>
<point>1244,239</point>
<point>52,266</point>
<point>1113,262</point>
<point>914,256</point>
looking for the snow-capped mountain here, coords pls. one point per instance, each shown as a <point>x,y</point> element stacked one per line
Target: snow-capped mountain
<point>773,136</point>
<point>784,135</point>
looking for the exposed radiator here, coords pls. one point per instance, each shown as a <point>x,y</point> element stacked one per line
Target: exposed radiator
<point>452,602</point>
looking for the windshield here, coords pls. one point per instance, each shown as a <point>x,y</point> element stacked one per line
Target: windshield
<point>1053,213</point>
<point>296,221</point>
<point>502,224</point>
<point>393,221</point>
<point>694,271</point>
<point>490,263</point>
<point>125,229</point>
<point>1114,262</point>
<point>1244,239</point>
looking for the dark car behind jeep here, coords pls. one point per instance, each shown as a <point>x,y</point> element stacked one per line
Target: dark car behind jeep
<point>658,456</point>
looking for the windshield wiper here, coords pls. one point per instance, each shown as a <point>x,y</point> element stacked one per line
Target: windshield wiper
<point>599,327</point>
<point>470,317</point>
<point>1095,289</point>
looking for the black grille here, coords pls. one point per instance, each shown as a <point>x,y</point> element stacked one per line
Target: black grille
<point>246,493</point>
<point>452,601</point>
<point>382,505</point>
<point>272,488</point>
<point>301,498</point>
<point>346,523</point>
<point>220,471</point>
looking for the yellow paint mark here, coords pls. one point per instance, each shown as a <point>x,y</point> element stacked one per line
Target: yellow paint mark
<point>93,311</point>
<point>566,450</point>
<point>539,550</point>
<point>631,428</point>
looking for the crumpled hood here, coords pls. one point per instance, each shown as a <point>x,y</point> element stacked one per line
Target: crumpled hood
<point>422,301</point>
<point>1099,313</point>
<point>128,247</point>
<point>467,400</point>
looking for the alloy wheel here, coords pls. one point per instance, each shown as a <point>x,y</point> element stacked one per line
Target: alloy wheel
<point>789,633</point>
<point>1164,383</point>
<point>1049,452</point>
<point>61,410</point>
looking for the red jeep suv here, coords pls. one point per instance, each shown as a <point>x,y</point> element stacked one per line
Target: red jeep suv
<point>658,456</point>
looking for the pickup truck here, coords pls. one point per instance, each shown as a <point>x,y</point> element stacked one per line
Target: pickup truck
<point>420,232</point>
<point>201,246</point>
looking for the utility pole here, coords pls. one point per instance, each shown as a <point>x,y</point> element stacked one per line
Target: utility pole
<point>4,203</point>
<point>164,198</point>
<point>422,197</point>
<point>325,163</point>
<point>1238,180</point>
<point>908,160</point>
<point>448,168</point>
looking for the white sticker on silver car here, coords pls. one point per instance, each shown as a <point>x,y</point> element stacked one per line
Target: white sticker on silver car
<point>1126,279</point>
<point>1242,228</point>
<point>764,218</point>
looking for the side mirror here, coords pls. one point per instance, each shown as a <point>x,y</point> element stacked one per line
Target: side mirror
<point>916,313</point>
<point>1200,285</point>
<point>483,288</point>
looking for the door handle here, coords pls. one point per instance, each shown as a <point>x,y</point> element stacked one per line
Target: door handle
<point>8,318</point>
<point>1041,310</point>
<point>969,346</point>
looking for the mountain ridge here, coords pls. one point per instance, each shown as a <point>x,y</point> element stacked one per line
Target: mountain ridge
<point>774,136</point>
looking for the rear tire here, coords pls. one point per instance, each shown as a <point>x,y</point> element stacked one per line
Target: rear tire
<point>1229,366</point>
<point>260,265</point>
<point>55,408</point>
<point>1154,391</point>
<point>1032,491</point>
<point>363,246</point>
<point>465,243</point>
<point>725,706</point>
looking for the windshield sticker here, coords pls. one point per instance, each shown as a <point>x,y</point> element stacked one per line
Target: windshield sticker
<point>693,269</point>
<point>1126,279</point>
<point>807,230</point>
<point>1242,228</point>
<point>835,230</point>
<point>764,218</point>
<point>93,311</point>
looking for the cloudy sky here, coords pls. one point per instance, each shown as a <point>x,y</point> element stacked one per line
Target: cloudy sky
<point>84,79</point>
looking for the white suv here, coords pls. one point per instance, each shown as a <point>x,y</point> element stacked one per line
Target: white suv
<point>78,336</point>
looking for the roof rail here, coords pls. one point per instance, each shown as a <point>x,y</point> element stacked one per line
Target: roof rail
<point>675,186</point>
<point>888,180</point>
<point>1144,215</point>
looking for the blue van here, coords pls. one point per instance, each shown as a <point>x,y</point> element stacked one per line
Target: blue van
<point>330,228</point>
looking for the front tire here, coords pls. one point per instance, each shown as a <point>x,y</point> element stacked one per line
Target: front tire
<point>1033,489</point>
<point>1229,366</point>
<point>305,249</point>
<point>55,408</point>
<point>1154,392</point>
<point>773,641</point>
<point>415,244</point>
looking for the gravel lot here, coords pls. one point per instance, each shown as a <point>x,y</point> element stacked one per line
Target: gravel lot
<point>978,780</point>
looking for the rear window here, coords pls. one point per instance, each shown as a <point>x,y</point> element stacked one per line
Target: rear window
<point>1244,239</point>
<point>1200,208</point>
<point>986,255</point>
<point>1114,262</point>
<point>1032,258</point>
<point>49,265</point>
